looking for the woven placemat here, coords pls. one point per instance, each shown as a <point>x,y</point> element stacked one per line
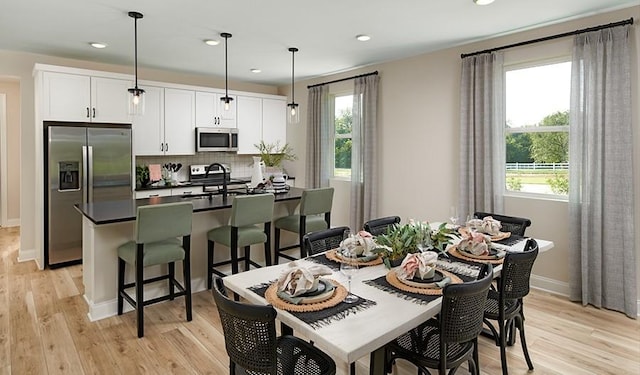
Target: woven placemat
<point>339,293</point>
<point>333,255</point>
<point>453,250</point>
<point>392,278</point>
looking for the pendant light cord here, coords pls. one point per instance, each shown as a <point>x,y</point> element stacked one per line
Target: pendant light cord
<point>293,64</point>
<point>226,98</point>
<point>135,46</point>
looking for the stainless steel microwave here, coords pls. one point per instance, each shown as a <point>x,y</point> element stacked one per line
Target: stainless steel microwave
<point>216,139</point>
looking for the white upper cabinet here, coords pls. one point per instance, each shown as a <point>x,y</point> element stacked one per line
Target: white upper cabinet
<point>260,119</point>
<point>179,122</point>
<point>274,121</point>
<point>148,129</point>
<point>249,124</point>
<point>210,110</point>
<point>73,97</point>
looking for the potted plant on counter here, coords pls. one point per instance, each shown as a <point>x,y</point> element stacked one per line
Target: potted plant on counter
<point>273,155</point>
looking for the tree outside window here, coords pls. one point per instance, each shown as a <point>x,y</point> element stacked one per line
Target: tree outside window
<point>537,129</point>
<point>342,135</point>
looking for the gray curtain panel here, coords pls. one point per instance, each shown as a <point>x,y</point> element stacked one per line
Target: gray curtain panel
<point>364,165</point>
<point>482,142</point>
<point>319,138</point>
<point>601,206</point>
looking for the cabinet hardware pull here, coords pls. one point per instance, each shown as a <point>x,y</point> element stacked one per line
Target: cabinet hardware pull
<point>154,195</point>
<point>87,112</point>
<point>161,146</point>
<point>166,147</point>
<point>94,112</point>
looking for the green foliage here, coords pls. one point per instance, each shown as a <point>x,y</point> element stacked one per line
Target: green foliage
<point>401,240</point>
<point>559,183</point>
<point>343,125</point>
<point>142,175</point>
<point>518,148</point>
<point>551,147</point>
<point>273,155</point>
<point>514,183</point>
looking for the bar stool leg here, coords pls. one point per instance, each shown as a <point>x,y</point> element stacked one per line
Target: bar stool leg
<point>186,270</point>
<point>267,245</point>
<point>209,263</point>
<point>140,291</point>
<point>234,250</point>
<point>172,277</point>
<point>247,253</point>
<point>276,254</point>
<point>121,267</point>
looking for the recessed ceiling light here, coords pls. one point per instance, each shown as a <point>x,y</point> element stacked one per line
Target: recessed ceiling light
<point>483,2</point>
<point>98,45</point>
<point>211,42</point>
<point>255,70</point>
<point>363,37</point>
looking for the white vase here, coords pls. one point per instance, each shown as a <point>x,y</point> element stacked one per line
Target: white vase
<point>257,176</point>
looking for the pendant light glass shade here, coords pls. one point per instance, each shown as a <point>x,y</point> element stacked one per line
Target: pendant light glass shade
<point>136,100</point>
<point>226,99</point>
<point>293,110</point>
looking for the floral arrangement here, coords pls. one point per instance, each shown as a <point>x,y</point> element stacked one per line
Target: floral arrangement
<point>401,240</point>
<point>361,243</point>
<point>273,154</point>
<point>422,264</point>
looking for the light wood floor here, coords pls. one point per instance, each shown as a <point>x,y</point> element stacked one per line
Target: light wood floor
<point>44,330</point>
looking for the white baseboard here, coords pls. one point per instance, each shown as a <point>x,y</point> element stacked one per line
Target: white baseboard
<point>26,255</point>
<point>12,223</point>
<point>550,285</point>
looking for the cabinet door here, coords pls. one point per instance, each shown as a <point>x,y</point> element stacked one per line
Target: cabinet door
<point>179,122</point>
<point>110,100</point>
<point>274,121</point>
<point>249,124</point>
<point>66,97</point>
<point>210,110</point>
<point>148,129</point>
<point>205,109</point>
<point>227,119</point>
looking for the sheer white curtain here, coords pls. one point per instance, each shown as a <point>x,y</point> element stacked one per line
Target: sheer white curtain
<point>319,138</point>
<point>602,245</point>
<point>364,166</point>
<point>482,122</point>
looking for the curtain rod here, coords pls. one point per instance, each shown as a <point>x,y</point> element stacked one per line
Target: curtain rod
<point>344,79</point>
<point>551,37</point>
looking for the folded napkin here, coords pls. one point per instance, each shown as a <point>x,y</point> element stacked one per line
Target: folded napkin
<point>474,243</point>
<point>422,264</point>
<point>298,300</point>
<point>359,244</point>
<point>296,280</point>
<point>487,225</point>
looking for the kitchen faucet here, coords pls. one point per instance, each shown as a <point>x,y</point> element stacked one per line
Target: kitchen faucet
<point>224,178</point>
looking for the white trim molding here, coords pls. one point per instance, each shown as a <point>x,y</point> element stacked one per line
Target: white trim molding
<point>3,160</point>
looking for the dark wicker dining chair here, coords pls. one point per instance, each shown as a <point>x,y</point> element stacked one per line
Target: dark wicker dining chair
<point>381,225</point>
<point>323,240</point>
<point>451,339</point>
<point>504,305</point>
<point>251,341</point>
<point>515,225</point>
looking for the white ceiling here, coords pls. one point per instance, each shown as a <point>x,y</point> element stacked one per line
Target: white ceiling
<point>171,34</point>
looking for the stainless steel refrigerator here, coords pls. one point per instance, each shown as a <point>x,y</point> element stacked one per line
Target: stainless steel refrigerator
<point>86,162</point>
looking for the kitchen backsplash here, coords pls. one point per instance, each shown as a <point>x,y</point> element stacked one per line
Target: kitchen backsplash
<point>241,165</point>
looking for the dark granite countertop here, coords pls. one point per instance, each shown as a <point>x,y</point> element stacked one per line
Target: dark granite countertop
<point>235,180</point>
<point>125,210</point>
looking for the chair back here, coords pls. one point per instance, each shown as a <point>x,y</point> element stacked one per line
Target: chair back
<point>251,209</point>
<point>323,240</point>
<point>316,201</point>
<point>515,225</point>
<point>463,309</point>
<point>381,225</point>
<point>163,221</point>
<point>516,272</point>
<point>249,332</point>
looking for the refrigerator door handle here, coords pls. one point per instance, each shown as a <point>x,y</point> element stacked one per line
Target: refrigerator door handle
<point>89,174</point>
<point>85,173</point>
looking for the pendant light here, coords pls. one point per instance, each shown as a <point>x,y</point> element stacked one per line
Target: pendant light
<point>226,99</point>
<point>293,114</point>
<point>136,101</point>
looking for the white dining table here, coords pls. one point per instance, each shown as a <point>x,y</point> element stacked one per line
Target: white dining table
<point>362,333</point>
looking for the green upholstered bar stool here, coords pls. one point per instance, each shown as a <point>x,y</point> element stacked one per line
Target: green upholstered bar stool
<point>314,215</point>
<point>247,212</point>
<point>156,242</point>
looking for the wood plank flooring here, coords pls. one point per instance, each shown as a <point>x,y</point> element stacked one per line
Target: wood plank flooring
<point>44,330</point>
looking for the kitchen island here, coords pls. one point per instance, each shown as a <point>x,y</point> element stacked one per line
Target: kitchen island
<point>107,225</point>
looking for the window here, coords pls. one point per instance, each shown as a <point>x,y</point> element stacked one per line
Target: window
<point>343,118</point>
<point>537,128</point>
